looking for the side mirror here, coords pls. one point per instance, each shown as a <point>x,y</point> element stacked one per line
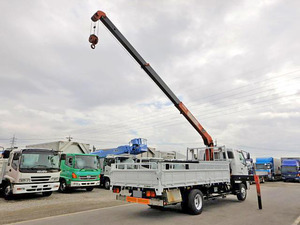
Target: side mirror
<point>63,157</point>
<point>248,156</point>
<point>6,154</point>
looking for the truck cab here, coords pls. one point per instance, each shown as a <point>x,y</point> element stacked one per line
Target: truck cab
<point>29,171</point>
<point>79,171</point>
<point>268,168</point>
<point>290,169</point>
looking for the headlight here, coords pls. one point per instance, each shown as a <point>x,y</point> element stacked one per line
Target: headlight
<point>24,180</point>
<point>54,179</point>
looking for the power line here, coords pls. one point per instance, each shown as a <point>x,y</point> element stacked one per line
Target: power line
<point>223,99</point>
<point>207,114</point>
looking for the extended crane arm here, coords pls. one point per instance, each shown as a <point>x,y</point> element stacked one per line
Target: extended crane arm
<point>99,15</point>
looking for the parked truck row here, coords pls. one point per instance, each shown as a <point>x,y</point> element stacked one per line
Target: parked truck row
<point>271,168</point>
<point>37,170</point>
<point>44,171</point>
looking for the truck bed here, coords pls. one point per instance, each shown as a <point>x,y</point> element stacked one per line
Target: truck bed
<point>165,174</point>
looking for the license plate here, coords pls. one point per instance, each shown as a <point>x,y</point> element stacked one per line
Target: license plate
<point>137,194</point>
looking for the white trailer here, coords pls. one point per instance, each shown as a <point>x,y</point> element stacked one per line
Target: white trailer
<point>29,171</point>
<point>168,182</point>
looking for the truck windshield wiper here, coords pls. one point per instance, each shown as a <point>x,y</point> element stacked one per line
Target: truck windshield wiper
<point>40,166</point>
<point>87,167</point>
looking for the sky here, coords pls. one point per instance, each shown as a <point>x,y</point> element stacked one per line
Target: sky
<point>234,64</point>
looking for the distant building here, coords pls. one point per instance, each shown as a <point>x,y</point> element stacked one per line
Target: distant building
<point>64,146</point>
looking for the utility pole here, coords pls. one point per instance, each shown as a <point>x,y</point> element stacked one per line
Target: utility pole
<point>13,142</point>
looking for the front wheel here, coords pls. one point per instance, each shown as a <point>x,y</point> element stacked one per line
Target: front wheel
<point>242,193</point>
<point>7,191</point>
<point>63,186</point>
<point>47,193</point>
<point>195,202</point>
<point>107,184</point>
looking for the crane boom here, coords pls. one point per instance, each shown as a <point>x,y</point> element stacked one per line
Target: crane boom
<point>99,15</point>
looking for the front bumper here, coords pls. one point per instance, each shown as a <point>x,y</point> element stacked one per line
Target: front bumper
<point>35,188</point>
<point>84,183</point>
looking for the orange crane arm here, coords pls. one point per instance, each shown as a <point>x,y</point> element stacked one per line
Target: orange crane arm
<point>99,15</point>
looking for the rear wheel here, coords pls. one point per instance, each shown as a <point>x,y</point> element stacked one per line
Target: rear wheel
<point>47,194</point>
<point>242,192</point>
<point>89,188</point>
<point>195,202</point>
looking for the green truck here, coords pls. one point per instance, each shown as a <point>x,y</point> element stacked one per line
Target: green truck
<point>79,171</point>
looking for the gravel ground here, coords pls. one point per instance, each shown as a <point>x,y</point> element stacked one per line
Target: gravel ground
<point>25,207</point>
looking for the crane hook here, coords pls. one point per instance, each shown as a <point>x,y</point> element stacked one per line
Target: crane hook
<point>94,40</point>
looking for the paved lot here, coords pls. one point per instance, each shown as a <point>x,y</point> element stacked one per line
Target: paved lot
<point>281,205</point>
<point>29,207</point>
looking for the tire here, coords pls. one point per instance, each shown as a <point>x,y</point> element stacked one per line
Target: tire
<point>63,186</point>
<point>47,193</point>
<point>107,183</point>
<point>195,202</point>
<point>89,188</point>
<point>7,191</point>
<point>242,195</point>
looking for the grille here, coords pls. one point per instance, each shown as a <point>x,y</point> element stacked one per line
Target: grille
<point>88,177</point>
<point>40,178</point>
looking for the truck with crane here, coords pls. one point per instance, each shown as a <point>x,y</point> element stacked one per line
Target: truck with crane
<point>24,171</point>
<point>108,156</point>
<point>209,172</point>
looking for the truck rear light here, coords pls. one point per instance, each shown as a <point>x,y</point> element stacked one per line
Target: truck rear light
<point>150,194</point>
<point>116,190</point>
<point>74,175</point>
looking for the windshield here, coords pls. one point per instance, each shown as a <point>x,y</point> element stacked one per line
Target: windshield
<point>262,166</point>
<point>289,169</point>
<point>39,160</point>
<point>86,162</point>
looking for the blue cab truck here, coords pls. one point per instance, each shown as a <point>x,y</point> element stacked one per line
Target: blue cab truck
<point>136,146</point>
<point>290,169</point>
<point>268,168</point>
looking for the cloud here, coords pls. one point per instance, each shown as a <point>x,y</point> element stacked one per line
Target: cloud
<point>235,65</point>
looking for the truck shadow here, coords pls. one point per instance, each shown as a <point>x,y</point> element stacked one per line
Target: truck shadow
<point>176,209</point>
<point>24,197</point>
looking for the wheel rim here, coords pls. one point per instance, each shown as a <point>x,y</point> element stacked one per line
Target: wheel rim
<point>198,201</point>
<point>243,192</point>
<point>63,186</point>
<point>7,190</point>
<point>107,184</point>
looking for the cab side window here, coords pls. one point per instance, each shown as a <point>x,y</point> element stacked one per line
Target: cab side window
<point>242,159</point>
<point>69,161</point>
<point>15,161</point>
<point>230,155</point>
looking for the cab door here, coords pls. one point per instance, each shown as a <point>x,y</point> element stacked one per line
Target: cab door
<point>238,163</point>
<point>12,169</point>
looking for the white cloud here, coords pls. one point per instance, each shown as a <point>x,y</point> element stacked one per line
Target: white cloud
<point>235,64</point>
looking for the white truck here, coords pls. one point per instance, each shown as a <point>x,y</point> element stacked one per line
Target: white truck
<point>189,182</point>
<point>29,171</point>
<point>212,171</point>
